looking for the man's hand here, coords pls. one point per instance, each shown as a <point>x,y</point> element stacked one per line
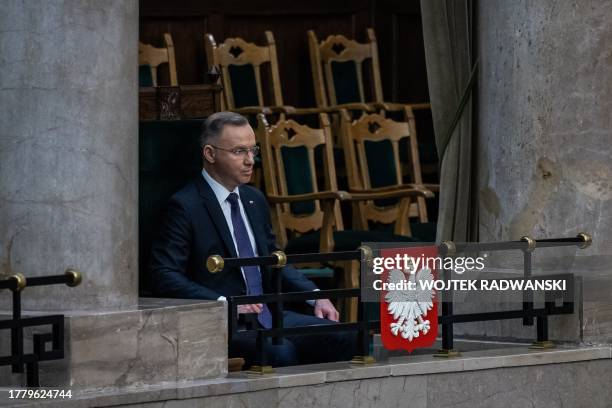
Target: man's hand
<point>254,308</point>
<point>326,310</point>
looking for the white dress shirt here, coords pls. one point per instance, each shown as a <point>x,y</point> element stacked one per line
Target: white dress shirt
<point>222,193</point>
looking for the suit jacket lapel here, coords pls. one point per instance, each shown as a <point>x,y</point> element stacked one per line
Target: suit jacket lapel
<point>256,222</point>
<point>210,200</point>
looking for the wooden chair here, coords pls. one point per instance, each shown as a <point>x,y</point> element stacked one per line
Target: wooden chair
<point>241,64</point>
<point>150,58</point>
<point>288,156</point>
<point>372,148</point>
<point>299,206</point>
<point>337,65</point>
<point>341,69</point>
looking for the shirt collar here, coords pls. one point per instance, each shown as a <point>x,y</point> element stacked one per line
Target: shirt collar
<point>221,192</point>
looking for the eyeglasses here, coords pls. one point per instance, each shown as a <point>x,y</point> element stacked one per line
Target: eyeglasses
<point>240,151</point>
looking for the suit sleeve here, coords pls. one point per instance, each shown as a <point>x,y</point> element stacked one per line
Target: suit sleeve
<point>293,279</point>
<point>170,256</point>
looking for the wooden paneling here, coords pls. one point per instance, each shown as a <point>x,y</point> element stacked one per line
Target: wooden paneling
<point>188,37</point>
<point>292,47</point>
<point>402,55</point>
<point>180,102</point>
<point>397,24</point>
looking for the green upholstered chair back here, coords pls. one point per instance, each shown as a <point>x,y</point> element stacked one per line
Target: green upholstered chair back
<point>375,145</point>
<point>337,65</point>
<point>240,63</point>
<point>145,78</point>
<point>242,78</point>
<point>299,178</point>
<point>345,81</point>
<point>381,167</point>
<point>169,157</point>
<point>150,58</point>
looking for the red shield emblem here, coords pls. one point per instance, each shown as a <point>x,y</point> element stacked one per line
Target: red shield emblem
<point>409,313</point>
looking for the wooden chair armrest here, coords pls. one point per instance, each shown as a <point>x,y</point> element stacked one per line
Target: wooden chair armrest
<point>288,109</point>
<point>253,110</point>
<point>351,106</point>
<point>390,192</point>
<point>327,202</point>
<point>432,187</point>
<point>419,106</point>
<point>292,110</point>
<point>309,111</point>
<point>392,107</point>
<point>380,189</point>
<point>266,110</point>
<point>424,186</point>
<point>321,195</point>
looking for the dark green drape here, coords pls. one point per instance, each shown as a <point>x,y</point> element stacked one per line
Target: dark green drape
<point>448,36</point>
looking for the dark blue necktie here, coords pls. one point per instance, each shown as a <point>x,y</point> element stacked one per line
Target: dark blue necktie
<point>245,250</point>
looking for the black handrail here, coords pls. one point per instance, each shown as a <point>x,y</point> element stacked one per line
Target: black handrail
<point>527,245</point>
<point>278,259</point>
<point>17,359</point>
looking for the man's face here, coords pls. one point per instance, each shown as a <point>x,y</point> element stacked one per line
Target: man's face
<point>232,169</point>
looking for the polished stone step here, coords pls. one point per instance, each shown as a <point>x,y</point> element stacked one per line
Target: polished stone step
<point>498,377</point>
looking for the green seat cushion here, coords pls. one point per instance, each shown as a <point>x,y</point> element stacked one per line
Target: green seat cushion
<point>344,241</point>
<point>426,231</point>
<point>317,272</point>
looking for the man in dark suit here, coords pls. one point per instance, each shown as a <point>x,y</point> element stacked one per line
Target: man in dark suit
<point>219,214</point>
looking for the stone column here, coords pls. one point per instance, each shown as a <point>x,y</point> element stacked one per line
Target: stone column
<point>69,198</point>
<point>69,149</point>
<point>545,126</point>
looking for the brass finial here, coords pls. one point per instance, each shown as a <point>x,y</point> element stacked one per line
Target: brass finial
<point>451,248</point>
<point>586,240</point>
<point>281,259</point>
<point>531,243</point>
<point>215,263</point>
<point>367,255</point>
<point>75,276</point>
<point>21,281</point>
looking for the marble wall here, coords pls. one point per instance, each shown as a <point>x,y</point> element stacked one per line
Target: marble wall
<point>545,129</point>
<point>161,341</point>
<point>69,149</point>
<point>542,380</point>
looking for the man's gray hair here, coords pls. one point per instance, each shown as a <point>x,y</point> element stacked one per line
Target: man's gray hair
<point>214,124</point>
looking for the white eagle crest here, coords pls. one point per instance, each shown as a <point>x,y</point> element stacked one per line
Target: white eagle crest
<point>410,307</point>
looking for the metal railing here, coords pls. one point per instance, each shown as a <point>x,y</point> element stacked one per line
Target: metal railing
<point>277,332</point>
<point>18,358</point>
<point>528,312</point>
<point>446,320</point>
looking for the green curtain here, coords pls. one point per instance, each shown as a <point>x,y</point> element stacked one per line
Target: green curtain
<point>451,72</point>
